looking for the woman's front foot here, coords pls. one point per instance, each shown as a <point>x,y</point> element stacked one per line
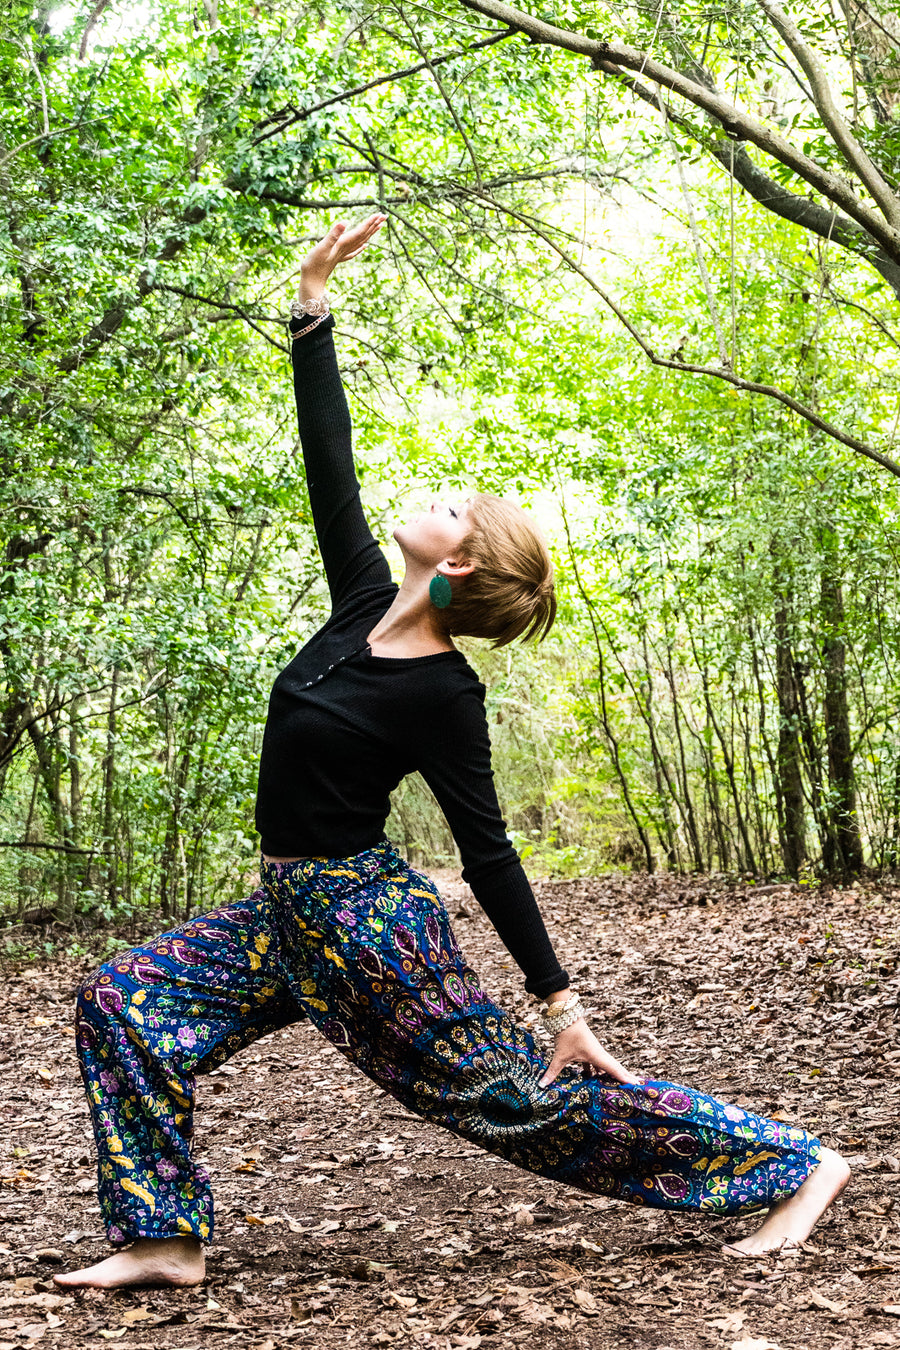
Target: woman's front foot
<point>178,1261</point>
<point>790,1222</point>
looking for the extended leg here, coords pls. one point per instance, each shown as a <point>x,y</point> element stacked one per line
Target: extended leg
<point>147,1023</point>
<point>393,992</point>
<point>791,1221</point>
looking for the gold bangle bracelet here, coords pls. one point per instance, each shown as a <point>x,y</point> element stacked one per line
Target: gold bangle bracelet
<point>550,1010</point>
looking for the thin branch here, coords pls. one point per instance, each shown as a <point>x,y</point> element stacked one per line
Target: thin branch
<point>698,243</point>
<point>428,191</point>
<point>779,57</point>
<point>445,96</point>
<point>167,498</point>
<point>379,167</point>
<point>748,386</point>
<point>40,79</point>
<point>329,204</point>
<point>773,196</point>
<point>283,34</point>
<point>843,137</point>
<point>56,848</point>
<point>345,94</point>
<point>892,37</point>
<point>854,304</point>
<point>45,135</point>
<point>606,53</point>
<point>223,304</point>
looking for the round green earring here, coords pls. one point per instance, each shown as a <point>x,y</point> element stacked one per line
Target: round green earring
<point>440,591</point>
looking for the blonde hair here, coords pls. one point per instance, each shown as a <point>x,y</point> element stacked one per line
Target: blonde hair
<point>510,593</point>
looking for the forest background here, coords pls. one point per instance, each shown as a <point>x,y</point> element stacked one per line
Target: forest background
<point>641,271</point>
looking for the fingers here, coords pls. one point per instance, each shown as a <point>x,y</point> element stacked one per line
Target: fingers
<point>591,1069</point>
<point>356,239</point>
<point>553,1068</point>
<point>613,1069</point>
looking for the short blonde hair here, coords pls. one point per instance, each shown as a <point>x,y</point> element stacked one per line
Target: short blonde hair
<point>510,593</point>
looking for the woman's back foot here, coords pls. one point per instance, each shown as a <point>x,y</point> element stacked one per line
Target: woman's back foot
<point>790,1222</point>
<point>178,1261</point>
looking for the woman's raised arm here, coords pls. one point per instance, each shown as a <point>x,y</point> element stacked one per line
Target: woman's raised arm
<point>351,556</point>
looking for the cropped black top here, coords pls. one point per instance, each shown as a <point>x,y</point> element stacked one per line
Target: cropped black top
<point>344,726</point>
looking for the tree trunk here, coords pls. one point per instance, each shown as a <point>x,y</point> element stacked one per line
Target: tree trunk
<point>841,775</point>
<point>810,744</point>
<point>109,782</point>
<point>894,849</point>
<point>790,778</point>
<point>667,834</point>
<point>689,815</point>
<point>749,860</point>
<point>611,739</point>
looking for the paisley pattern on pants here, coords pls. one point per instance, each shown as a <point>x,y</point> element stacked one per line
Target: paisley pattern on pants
<point>364,948</point>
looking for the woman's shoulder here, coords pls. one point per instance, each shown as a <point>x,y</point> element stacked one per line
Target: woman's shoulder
<point>450,686</point>
<point>364,606</point>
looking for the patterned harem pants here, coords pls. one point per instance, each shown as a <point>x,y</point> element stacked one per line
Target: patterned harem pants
<point>363,947</point>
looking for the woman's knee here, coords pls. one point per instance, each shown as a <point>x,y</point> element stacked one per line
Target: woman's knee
<point>99,997</point>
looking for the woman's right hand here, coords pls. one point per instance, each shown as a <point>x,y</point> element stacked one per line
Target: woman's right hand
<point>578,1045</point>
<point>340,244</point>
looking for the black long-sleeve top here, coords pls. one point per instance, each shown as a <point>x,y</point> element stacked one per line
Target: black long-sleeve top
<point>345,726</point>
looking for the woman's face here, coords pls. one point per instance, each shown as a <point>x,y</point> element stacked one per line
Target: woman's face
<point>434,536</point>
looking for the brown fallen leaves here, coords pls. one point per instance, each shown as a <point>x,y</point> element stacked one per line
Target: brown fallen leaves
<point>342,1220</point>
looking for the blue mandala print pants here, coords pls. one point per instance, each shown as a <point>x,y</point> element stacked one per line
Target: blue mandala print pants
<point>363,947</point>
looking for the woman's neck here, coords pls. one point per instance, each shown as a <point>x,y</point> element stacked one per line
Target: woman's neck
<point>410,627</point>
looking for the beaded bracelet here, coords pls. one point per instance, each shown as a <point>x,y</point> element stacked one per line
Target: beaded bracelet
<point>301,332</point>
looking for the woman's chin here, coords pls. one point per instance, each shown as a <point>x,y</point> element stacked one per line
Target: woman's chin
<point>405,536</point>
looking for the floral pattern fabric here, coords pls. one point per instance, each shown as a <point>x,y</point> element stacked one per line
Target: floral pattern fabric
<point>364,948</point>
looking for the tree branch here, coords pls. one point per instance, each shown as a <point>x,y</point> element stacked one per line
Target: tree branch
<point>791,206</point>
<point>695,234</point>
<point>737,123</point>
<point>110,322</point>
<point>302,113</point>
<point>92,19</point>
<point>173,505</point>
<point>224,305</point>
<point>841,134</point>
<point>56,848</point>
<point>45,135</point>
<point>747,386</point>
<point>445,96</point>
<point>40,79</point>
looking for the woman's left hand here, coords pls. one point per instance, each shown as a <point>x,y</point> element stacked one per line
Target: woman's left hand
<point>340,244</point>
<point>578,1045</point>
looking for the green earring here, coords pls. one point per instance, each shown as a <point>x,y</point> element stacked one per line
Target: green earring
<point>440,591</point>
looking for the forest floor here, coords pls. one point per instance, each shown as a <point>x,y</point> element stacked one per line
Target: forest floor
<point>343,1220</point>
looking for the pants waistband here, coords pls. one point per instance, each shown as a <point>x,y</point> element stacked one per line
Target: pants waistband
<point>357,870</point>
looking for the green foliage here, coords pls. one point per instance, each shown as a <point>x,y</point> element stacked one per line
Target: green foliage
<point>162,173</point>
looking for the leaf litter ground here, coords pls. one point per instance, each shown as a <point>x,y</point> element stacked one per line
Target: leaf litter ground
<point>343,1220</point>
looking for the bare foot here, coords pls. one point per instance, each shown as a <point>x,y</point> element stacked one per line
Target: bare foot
<point>790,1222</point>
<point>175,1260</point>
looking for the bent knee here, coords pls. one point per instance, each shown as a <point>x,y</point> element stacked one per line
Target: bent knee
<point>99,995</point>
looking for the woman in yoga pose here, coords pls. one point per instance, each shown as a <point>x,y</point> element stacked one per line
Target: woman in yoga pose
<point>343,931</point>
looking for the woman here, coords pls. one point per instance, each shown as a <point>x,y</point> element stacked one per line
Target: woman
<point>344,932</point>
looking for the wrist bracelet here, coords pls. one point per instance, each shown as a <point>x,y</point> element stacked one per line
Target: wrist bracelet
<point>560,1023</point>
<point>317,307</point>
<point>550,1010</point>
<point>570,1012</point>
<point>301,332</point>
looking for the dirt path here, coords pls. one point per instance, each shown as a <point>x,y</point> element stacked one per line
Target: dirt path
<point>344,1221</point>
